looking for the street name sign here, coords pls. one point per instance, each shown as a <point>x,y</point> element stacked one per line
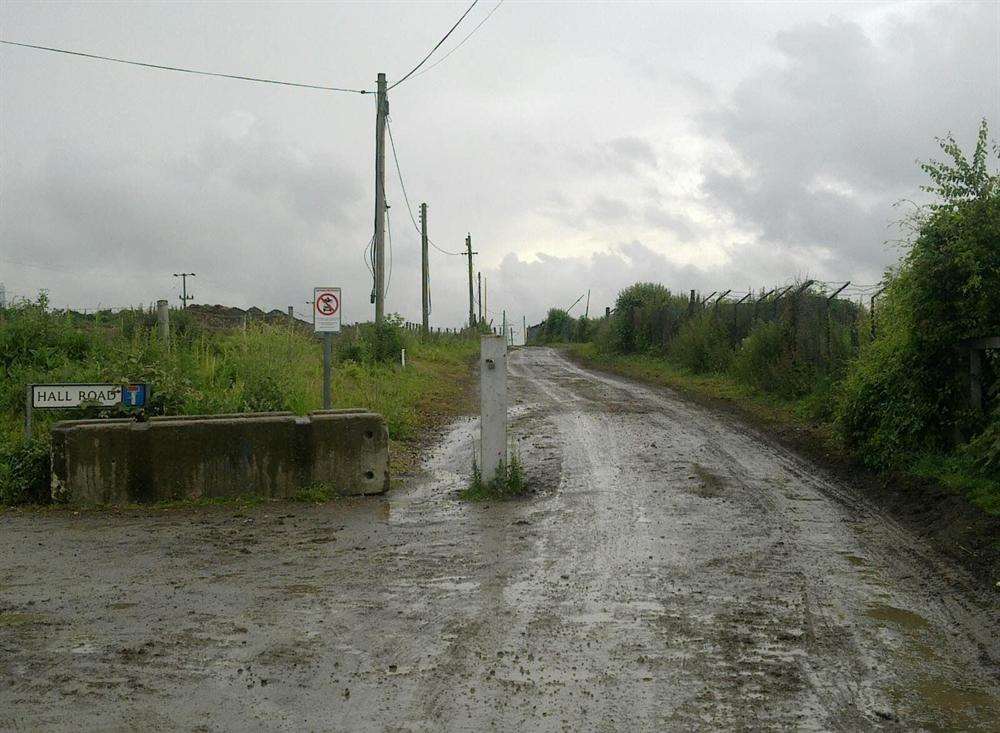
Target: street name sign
<point>62,396</point>
<point>326,310</point>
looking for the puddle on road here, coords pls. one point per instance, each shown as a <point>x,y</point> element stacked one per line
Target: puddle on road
<point>20,619</point>
<point>898,616</point>
<point>858,562</point>
<point>711,486</point>
<point>940,705</point>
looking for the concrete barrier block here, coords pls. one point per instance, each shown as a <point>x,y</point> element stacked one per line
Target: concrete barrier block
<point>192,457</point>
<point>350,451</point>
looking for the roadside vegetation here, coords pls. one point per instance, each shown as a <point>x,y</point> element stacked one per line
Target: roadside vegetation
<point>509,482</point>
<point>267,367</point>
<point>888,387</point>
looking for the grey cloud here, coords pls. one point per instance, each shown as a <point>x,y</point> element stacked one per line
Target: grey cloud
<point>546,281</point>
<point>678,224</point>
<point>634,149</point>
<point>827,140</point>
<point>249,213</point>
<point>607,209</point>
<point>627,155</point>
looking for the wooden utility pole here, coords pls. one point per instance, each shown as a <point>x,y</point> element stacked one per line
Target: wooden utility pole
<point>382,109</point>
<point>479,293</point>
<point>469,253</point>
<point>586,312</point>
<point>425,289</point>
<point>184,287</point>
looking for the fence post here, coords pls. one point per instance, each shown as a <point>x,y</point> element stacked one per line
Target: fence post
<point>871,311</point>
<point>975,378</point>
<point>826,310</point>
<point>163,320</point>
<point>27,412</point>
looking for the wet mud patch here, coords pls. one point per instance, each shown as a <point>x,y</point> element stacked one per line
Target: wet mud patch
<point>709,485</point>
<point>897,616</point>
<point>15,620</point>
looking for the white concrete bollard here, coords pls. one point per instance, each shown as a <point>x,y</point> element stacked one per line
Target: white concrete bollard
<point>493,405</point>
<point>402,358</point>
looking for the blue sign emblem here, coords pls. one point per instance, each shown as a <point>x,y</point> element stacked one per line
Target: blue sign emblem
<point>134,395</point>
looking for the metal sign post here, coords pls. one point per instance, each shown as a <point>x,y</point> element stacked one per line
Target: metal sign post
<point>326,320</point>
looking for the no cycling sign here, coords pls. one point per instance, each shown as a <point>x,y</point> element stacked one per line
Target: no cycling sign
<point>326,310</point>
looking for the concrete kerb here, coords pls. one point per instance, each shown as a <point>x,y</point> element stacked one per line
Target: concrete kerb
<point>274,455</point>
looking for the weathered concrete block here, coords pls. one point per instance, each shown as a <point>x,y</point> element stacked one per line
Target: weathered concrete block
<point>265,454</point>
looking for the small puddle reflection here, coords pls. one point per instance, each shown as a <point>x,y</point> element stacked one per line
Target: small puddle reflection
<point>941,705</point>
<point>898,616</point>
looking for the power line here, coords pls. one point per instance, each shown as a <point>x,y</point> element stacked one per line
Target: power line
<point>462,42</point>
<point>436,47</point>
<point>388,233</point>
<point>399,173</point>
<point>20,263</point>
<point>409,209</point>
<point>184,70</point>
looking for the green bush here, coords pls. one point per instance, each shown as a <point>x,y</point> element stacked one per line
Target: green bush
<point>642,312</point>
<point>264,368</point>
<point>906,394</point>
<point>701,345</point>
<point>766,361</point>
<point>984,449</point>
<point>558,327</point>
<point>24,471</point>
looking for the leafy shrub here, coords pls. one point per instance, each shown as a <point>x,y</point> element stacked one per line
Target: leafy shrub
<point>558,326</point>
<point>984,449</point>
<point>907,391</point>
<point>765,361</point>
<point>24,471</point>
<point>639,318</point>
<point>701,345</point>
<point>372,343</point>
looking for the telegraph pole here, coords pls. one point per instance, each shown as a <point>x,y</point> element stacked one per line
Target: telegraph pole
<point>469,253</point>
<point>479,293</point>
<point>184,287</point>
<point>425,289</point>
<point>382,109</point>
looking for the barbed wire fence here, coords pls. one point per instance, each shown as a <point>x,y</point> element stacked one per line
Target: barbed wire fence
<point>825,320</point>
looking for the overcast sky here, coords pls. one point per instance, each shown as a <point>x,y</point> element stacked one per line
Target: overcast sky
<point>584,145</point>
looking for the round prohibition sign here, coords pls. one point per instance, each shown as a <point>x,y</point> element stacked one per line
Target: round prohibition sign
<point>327,304</point>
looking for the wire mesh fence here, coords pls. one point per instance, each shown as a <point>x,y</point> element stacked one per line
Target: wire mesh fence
<point>820,326</point>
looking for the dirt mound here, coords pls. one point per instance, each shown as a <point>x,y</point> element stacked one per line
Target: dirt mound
<point>223,316</point>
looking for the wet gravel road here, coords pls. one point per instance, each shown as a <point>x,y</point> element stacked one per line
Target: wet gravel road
<point>674,571</point>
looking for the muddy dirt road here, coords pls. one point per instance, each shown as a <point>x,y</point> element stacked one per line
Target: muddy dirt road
<point>673,571</point>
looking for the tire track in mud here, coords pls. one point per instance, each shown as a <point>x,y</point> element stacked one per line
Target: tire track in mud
<point>673,570</point>
<point>767,582</point>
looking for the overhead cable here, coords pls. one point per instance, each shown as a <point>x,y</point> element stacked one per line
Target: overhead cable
<point>183,70</point>
<point>436,47</point>
<point>462,42</point>
<point>409,208</point>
